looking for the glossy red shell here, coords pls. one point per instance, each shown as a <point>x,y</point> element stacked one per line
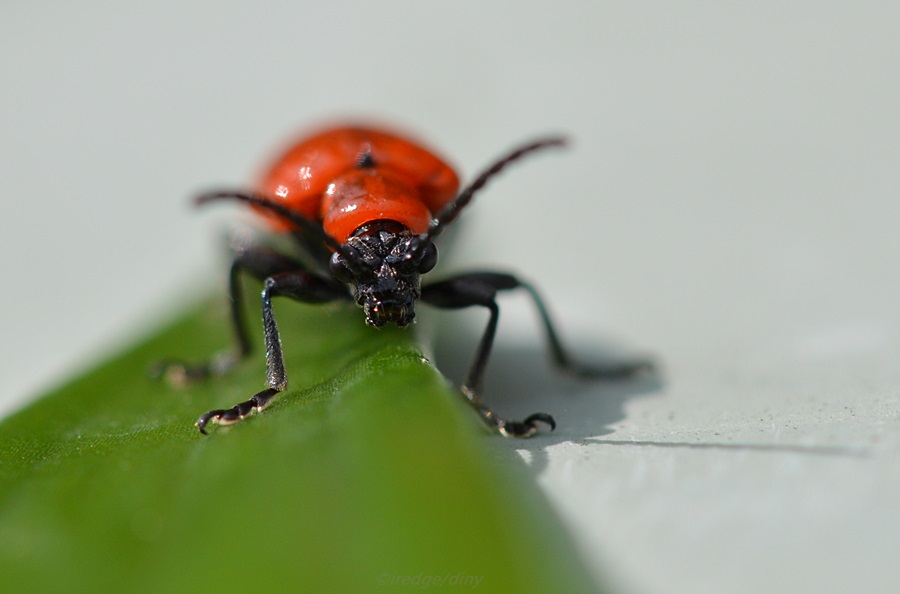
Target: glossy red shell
<point>320,178</point>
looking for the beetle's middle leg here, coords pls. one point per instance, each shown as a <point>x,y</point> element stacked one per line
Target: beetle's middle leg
<point>260,263</point>
<point>481,288</point>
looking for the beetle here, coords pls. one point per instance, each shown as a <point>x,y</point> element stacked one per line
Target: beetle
<point>367,205</point>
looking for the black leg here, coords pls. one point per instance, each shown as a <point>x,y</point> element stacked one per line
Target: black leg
<point>480,288</point>
<point>564,361</point>
<point>260,263</point>
<point>298,285</point>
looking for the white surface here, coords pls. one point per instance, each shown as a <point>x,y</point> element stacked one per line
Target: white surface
<point>729,205</point>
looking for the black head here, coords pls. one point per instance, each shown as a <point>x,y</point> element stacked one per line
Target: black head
<point>381,263</point>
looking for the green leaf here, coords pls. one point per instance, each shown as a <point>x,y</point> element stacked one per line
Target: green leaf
<point>367,474</point>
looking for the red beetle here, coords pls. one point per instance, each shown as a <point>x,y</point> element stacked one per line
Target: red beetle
<point>367,205</point>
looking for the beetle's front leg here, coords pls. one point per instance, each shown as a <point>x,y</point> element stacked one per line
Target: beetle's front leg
<point>301,286</point>
<point>481,289</point>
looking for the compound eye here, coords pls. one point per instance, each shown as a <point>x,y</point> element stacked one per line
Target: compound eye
<point>339,269</point>
<point>429,258</point>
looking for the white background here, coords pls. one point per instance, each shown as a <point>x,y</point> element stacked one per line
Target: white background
<point>729,205</point>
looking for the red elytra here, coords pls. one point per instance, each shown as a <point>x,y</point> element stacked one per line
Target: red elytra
<point>349,176</point>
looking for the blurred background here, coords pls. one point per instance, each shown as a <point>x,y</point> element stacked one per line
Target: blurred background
<point>728,205</point>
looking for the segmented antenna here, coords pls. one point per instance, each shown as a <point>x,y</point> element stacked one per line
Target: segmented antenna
<point>311,227</point>
<point>449,213</point>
